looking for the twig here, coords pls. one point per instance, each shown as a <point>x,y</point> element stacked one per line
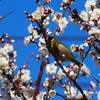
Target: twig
<point>37,1</point>
<point>38,80</point>
<point>75,83</point>
<point>6,15</point>
<point>61,96</point>
<point>87,52</point>
<point>15,87</point>
<point>91,76</point>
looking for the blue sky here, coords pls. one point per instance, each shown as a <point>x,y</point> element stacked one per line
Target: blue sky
<point>16,25</point>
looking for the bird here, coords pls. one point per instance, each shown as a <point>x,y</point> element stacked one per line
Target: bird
<point>60,51</point>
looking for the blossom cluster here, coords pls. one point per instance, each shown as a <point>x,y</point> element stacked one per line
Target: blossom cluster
<point>89,21</point>
<point>12,84</point>
<point>20,86</point>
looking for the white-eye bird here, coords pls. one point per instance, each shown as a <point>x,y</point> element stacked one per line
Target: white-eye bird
<point>60,51</point>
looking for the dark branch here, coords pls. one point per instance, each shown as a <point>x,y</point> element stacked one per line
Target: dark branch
<point>6,15</point>
<point>38,82</point>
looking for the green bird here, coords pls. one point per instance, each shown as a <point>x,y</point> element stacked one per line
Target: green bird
<point>60,51</point>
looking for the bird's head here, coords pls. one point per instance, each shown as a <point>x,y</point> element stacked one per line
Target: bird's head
<point>52,41</point>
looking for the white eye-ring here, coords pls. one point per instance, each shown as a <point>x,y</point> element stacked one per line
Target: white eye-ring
<point>63,55</point>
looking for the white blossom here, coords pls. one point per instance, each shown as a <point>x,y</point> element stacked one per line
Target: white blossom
<point>62,22</point>
<point>85,44</point>
<point>92,84</point>
<point>73,47</point>
<point>71,91</point>
<point>27,40</point>
<point>94,32</point>
<point>51,68</point>
<point>40,10</point>
<point>36,15</point>
<point>25,76</point>
<point>85,69</point>
<point>42,42</point>
<point>52,93</point>
<point>14,96</point>
<point>60,73</point>
<point>46,82</point>
<point>35,34</point>
<point>98,95</point>
<point>72,74</point>
<point>57,16</point>
<point>6,84</point>
<point>95,13</point>
<point>84,15</point>
<point>8,47</point>
<point>87,93</point>
<point>90,3</point>
<point>30,28</point>
<point>4,58</point>
<point>40,96</point>
<point>28,91</point>
<point>43,50</point>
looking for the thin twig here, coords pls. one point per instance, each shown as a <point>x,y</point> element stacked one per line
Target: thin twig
<point>6,15</point>
<point>38,82</point>
<point>87,51</point>
<point>91,76</point>
<point>61,96</point>
<point>15,87</point>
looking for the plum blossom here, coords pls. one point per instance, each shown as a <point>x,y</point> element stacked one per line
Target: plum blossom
<point>8,47</point>
<point>60,73</point>
<point>84,15</point>
<point>4,58</point>
<point>96,13</point>
<point>56,17</point>
<point>70,91</point>
<point>6,84</point>
<point>92,84</point>
<point>85,69</point>
<point>33,31</point>
<point>40,96</point>
<point>43,50</point>
<point>52,93</point>
<point>72,74</point>
<point>87,93</point>
<point>30,28</point>
<point>14,96</point>
<point>36,16</point>
<point>46,82</point>
<point>94,32</point>
<point>27,40</point>
<point>98,95</point>
<point>90,3</point>
<point>35,34</point>
<point>51,68</point>
<point>42,42</point>
<point>73,47</point>
<point>40,10</point>
<point>62,22</point>
<point>28,91</point>
<point>25,75</point>
<point>3,61</point>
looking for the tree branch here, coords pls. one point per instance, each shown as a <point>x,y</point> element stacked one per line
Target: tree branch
<point>36,91</point>
<point>6,15</point>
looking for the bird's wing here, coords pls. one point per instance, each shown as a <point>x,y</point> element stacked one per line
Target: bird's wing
<point>64,52</point>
